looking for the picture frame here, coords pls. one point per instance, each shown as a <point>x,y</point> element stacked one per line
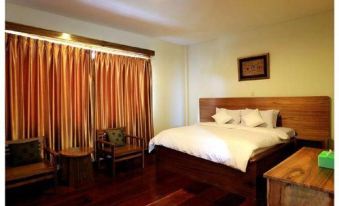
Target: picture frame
<point>254,67</point>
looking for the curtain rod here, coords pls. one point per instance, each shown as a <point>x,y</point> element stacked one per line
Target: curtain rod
<point>75,40</point>
<point>93,48</point>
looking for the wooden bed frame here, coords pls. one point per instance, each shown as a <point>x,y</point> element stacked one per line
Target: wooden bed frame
<point>309,116</point>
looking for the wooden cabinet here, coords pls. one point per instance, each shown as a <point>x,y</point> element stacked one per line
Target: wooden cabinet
<point>299,181</point>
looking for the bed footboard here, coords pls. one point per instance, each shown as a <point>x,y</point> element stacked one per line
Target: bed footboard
<point>250,184</point>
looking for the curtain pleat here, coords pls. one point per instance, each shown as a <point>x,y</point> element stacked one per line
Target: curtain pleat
<point>48,92</point>
<point>124,94</point>
<point>59,92</point>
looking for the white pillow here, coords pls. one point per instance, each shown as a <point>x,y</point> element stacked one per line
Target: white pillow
<point>221,117</point>
<point>235,114</point>
<point>253,119</point>
<point>243,113</point>
<point>275,117</point>
<point>270,118</point>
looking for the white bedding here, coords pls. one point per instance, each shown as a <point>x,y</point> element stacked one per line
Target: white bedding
<point>227,144</point>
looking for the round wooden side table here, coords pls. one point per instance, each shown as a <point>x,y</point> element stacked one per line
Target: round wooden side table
<point>76,166</point>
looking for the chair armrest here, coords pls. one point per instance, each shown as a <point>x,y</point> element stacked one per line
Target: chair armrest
<point>50,151</point>
<point>110,144</point>
<point>139,139</point>
<point>134,137</point>
<point>106,142</point>
<point>53,154</point>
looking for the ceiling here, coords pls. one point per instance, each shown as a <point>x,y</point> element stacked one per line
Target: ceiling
<point>182,21</point>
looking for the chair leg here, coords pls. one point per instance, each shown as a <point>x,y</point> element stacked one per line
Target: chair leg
<point>55,184</point>
<point>55,164</point>
<point>99,162</point>
<point>143,159</point>
<point>55,181</point>
<point>113,167</point>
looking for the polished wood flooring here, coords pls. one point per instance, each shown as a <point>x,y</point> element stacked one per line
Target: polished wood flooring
<point>132,186</point>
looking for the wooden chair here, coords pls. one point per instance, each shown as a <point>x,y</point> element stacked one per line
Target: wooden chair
<point>23,174</point>
<point>133,148</point>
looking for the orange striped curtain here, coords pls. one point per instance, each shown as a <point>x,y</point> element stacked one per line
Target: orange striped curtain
<point>123,95</point>
<point>59,92</point>
<point>48,92</point>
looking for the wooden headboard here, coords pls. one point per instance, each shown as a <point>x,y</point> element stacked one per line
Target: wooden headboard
<point>310,117</point>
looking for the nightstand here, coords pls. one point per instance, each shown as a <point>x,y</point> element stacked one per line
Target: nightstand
<point>299,181</point>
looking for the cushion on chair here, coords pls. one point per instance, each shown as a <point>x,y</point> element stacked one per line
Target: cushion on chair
<point>116,136</point>
<point>30,170</point>
<point>24,153</point>
<point>124,150</point>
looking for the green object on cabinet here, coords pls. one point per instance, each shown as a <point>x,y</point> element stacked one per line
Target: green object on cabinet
<point>326,159</point>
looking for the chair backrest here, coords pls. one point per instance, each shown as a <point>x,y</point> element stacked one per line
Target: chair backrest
<point>21,141</point>
<point>117,136</point>
<point>101,133</point>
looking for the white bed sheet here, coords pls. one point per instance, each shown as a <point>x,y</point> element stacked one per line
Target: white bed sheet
<point>227,144</point>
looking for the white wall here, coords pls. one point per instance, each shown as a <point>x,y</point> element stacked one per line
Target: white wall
<point>301,62</point>
<point>168,63</point>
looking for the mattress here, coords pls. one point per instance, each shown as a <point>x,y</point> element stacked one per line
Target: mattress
<point>289,131</point>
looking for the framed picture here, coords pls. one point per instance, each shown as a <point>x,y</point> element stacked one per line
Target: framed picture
<point>254,67</point>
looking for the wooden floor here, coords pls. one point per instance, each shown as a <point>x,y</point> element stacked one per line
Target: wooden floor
<point>131,186</point>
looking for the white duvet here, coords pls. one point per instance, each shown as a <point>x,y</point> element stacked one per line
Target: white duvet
<point>227,144</point>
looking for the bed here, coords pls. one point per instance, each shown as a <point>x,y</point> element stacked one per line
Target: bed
<point>308,116</point>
